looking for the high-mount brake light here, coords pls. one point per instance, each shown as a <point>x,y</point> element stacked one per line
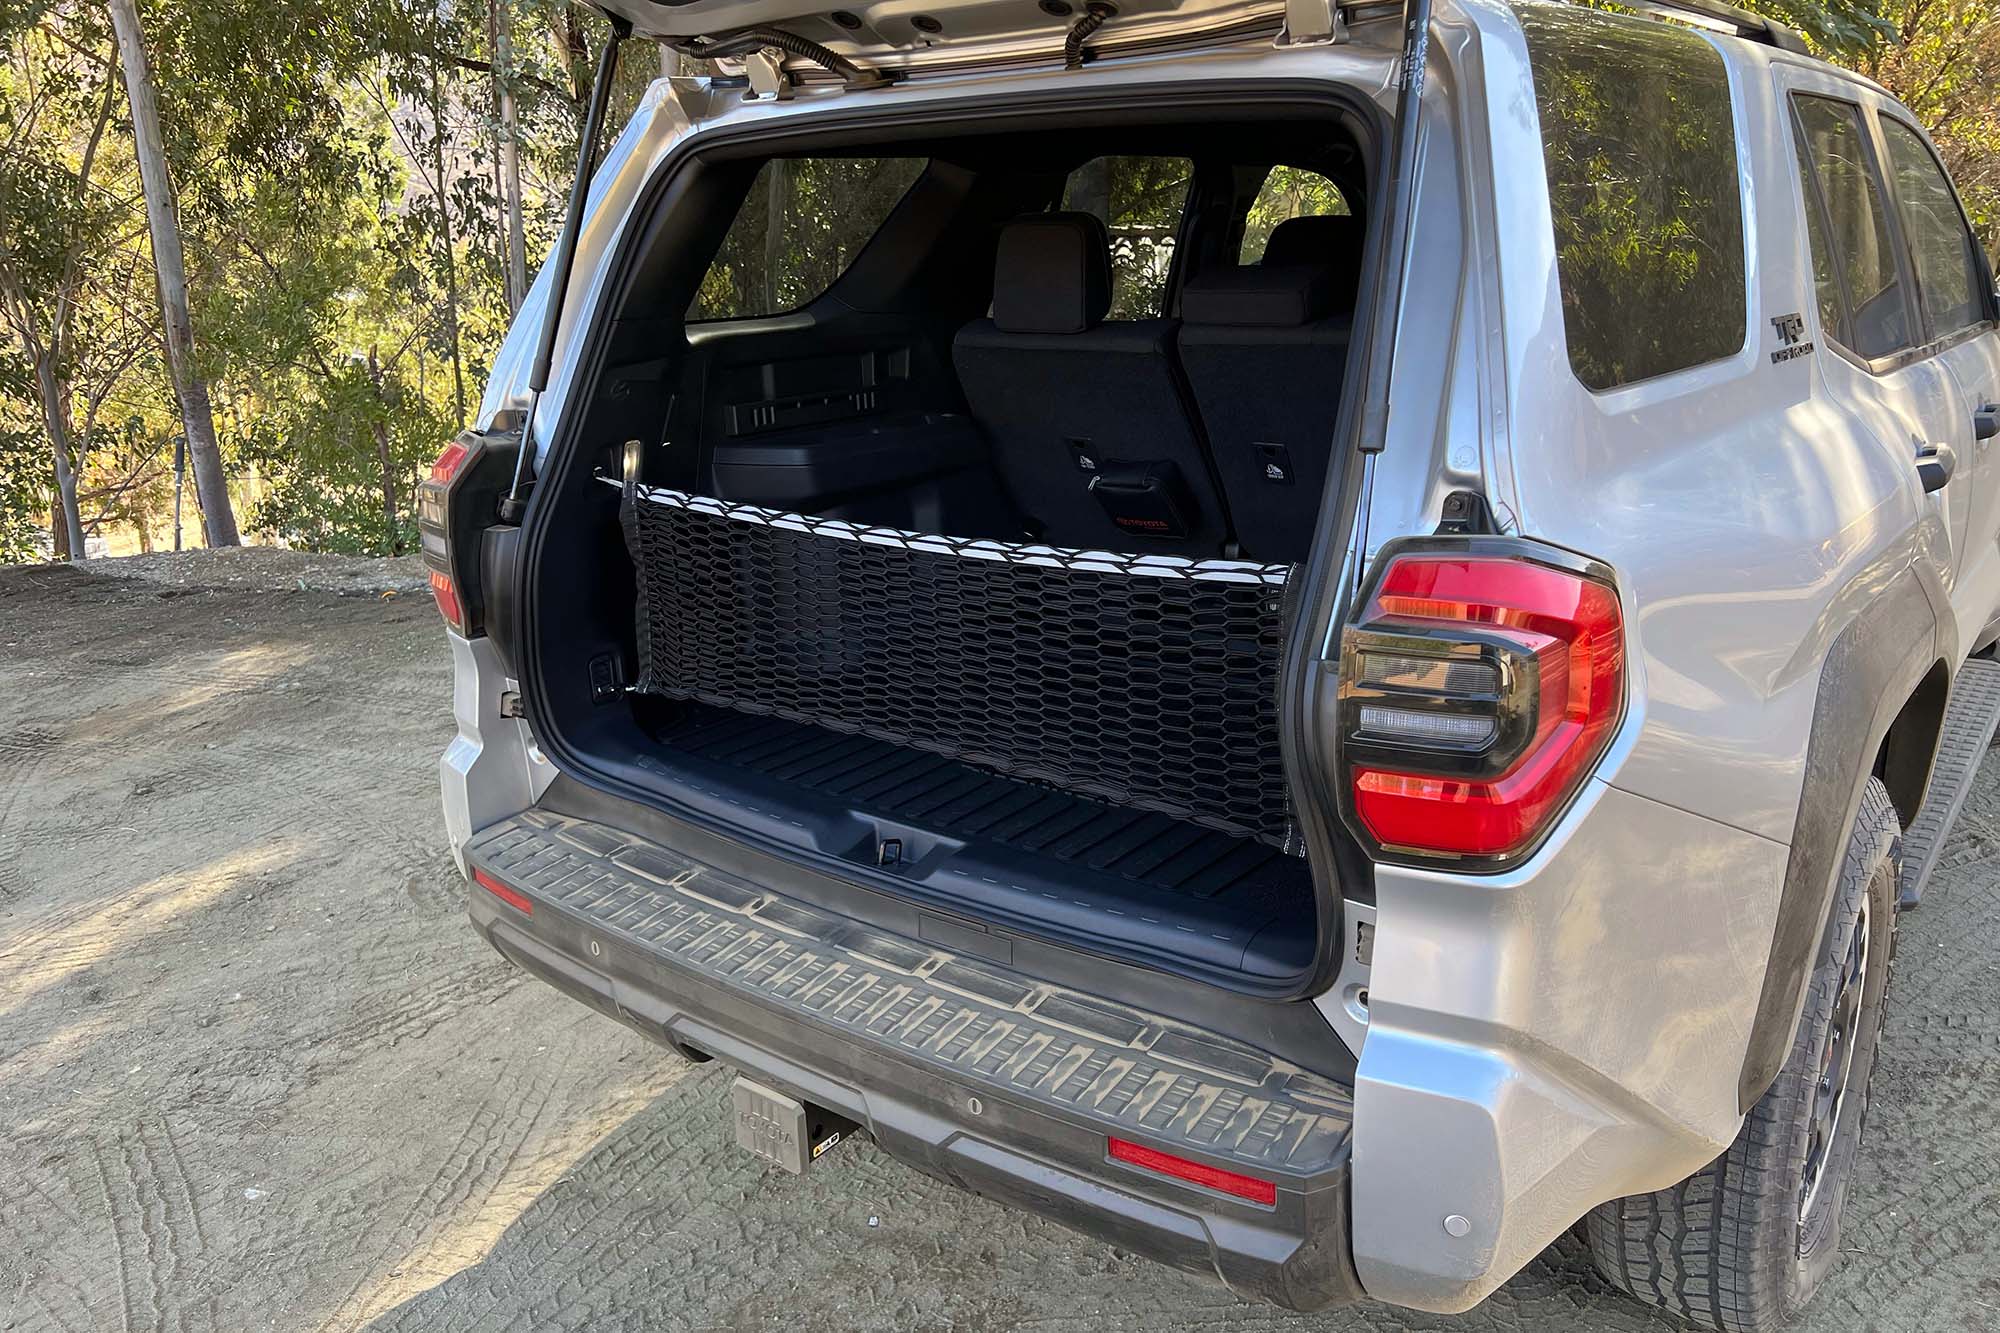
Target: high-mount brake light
<point>1478,689</point>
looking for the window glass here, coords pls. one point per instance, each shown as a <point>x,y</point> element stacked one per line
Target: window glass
<point>800,226</point>
<point>1140,200</point>
<point>1947,271</point>
<point>1878,321</point>
<point>1639,143</point>
<point>1287,193</point>
<point>1826,281</point>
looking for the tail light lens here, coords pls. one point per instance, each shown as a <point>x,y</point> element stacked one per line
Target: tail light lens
<point>1479,688</point>
<point>454,503</point>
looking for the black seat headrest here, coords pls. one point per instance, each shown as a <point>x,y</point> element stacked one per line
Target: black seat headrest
<point>1052,274</point>
<point>1312,240</point>
<point>1260,296</point>
<point>1331,242</point>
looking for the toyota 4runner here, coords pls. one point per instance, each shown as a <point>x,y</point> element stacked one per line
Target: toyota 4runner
<point>1317,639</point>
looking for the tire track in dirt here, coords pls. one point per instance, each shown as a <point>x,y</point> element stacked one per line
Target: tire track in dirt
<point>485,1147</point>
<point>389,1018</point>
<point>21,754</point>
<point>156,1231</point>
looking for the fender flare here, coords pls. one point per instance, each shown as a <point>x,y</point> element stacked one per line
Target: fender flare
<point>1869,673</point>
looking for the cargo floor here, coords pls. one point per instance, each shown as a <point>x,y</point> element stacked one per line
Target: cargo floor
<point>1018,854</point>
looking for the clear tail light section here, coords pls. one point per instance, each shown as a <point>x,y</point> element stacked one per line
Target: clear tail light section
<point>1479,688</point>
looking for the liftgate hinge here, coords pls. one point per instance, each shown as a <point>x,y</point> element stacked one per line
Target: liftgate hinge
<point>1466,512</point>
<point>1313,23</point>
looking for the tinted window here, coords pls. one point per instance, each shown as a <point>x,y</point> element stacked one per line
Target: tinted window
<point>1878,321</point>
<point>1948,274</point>
<point>1639,143</point>
<point>824,208</point>
<point>1826,281</point>
<point>1287,193</point>
<point>1140,200</point>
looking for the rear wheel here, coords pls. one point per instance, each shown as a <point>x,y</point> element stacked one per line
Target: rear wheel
<point>1743,1243</point>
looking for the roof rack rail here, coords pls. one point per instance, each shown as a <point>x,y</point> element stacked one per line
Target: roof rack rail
<point>1721,17</point>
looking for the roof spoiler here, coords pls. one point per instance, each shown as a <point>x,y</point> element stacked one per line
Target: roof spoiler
<point>1720,17</point>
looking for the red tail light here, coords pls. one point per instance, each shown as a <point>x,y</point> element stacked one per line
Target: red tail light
<point>1180,1168</point>
<point>446,597</point>
<point>452,505</point>
<point>1479,688</point>
<point>450,461</point>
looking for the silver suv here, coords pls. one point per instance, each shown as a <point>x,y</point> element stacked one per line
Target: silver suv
<point>1319,640</point>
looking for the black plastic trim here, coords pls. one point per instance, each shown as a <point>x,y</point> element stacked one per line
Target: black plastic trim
<point>1870,671</point>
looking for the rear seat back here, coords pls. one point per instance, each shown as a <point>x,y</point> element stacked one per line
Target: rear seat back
<point>1264,348</point>
<point>1091,425</point>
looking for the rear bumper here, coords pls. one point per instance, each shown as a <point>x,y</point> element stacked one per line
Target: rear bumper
<point>1002,1085</point>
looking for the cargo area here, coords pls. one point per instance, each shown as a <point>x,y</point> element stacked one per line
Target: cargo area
<point>938,514</point>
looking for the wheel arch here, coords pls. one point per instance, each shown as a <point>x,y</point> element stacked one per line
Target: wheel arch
<point>1882,683</point>
<point>1909,748</point>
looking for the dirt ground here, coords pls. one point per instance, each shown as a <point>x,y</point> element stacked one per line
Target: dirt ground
<point>256,1072</point>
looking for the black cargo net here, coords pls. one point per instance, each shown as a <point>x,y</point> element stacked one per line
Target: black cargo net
<point>1148,681</point>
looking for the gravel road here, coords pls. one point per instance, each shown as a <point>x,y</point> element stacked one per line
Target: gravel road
<point>256,1072</point>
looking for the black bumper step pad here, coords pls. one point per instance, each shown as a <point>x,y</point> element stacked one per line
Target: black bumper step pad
<point>1145,681</point>
<point>1114,1068</point>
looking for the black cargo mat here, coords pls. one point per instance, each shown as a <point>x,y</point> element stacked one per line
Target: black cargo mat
<point>1009,850</point>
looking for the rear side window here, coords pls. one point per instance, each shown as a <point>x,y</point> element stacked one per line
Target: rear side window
<point>799,227</point>
<point>1140,201</point>
<point>1835,149</point>
<point>1287,193</point>
<point>1639,143</point>
<point>1948,270</point>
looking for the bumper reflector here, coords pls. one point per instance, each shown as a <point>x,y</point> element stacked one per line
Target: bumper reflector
<point>506,895</point>
<point>1180,1168</point>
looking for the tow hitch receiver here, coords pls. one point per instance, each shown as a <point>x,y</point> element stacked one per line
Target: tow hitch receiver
<point>783,1129</point>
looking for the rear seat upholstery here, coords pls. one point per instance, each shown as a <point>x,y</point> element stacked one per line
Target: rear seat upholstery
<point>1069,400</point>
<point>1264,347</point>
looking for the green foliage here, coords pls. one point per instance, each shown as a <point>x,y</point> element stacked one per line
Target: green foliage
<point>825,209</point>
<point>1140,201</point>
<point>343,212</point>
<point>1641,160</point>
<point>343,217</point>
<point>1287,193</point>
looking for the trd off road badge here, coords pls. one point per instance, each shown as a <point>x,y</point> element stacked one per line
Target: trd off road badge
<point>1790,329</point>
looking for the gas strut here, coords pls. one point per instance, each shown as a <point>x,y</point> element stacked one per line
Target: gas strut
<point>1400,206</point>
<point>565,257</point>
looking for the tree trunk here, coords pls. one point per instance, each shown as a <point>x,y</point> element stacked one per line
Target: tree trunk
<point>450,250</point>
<point>67,526</point>
<point>392,531</point>
<point>777,200</point>
<point>516,243</point>
<point>170,267</point>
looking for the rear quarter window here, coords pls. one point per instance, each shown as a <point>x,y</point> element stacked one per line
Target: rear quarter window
<point>802,222</point>
<point>1639,145</point>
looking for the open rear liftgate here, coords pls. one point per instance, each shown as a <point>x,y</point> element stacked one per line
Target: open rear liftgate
<point>1144,681</point>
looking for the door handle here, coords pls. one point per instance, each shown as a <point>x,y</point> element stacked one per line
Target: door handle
<point>1935,464</point>
<point>1986,422</point>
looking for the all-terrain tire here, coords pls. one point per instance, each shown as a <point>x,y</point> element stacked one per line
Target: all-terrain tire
<point>1739,1245</point>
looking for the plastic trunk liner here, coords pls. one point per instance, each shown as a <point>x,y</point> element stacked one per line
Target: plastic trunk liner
<point>1138,876</point>
<point>1145,681</point>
